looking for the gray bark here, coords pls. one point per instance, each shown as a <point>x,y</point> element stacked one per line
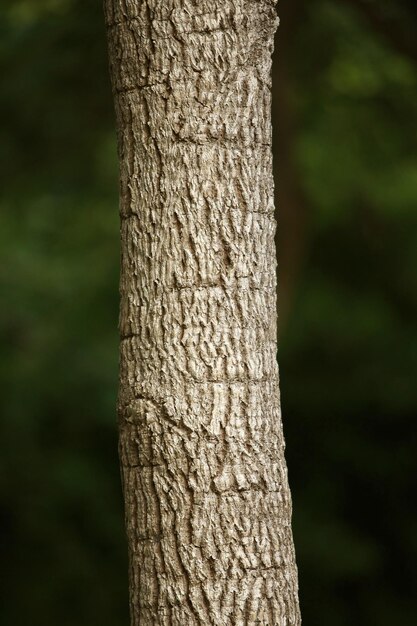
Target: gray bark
<point>208,508</point>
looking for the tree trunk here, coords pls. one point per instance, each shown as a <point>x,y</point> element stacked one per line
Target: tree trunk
<point>208,508</point>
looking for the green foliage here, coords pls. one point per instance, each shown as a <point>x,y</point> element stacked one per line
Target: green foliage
<point>348,355</point>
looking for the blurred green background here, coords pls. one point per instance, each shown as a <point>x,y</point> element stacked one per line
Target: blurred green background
<point>345,113</point>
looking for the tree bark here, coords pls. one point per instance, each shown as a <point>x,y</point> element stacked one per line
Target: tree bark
<point>208,508</point>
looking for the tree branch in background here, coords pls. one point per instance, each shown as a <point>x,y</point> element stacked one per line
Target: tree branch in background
<point>292,212</point>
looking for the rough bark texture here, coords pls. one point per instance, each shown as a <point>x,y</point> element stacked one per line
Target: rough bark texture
<point>208,508</point>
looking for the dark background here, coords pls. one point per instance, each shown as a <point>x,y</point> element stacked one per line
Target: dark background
<point>345,113</point>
